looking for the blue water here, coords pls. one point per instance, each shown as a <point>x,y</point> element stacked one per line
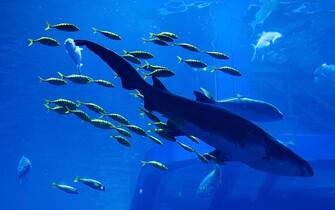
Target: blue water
<point>61,147</point>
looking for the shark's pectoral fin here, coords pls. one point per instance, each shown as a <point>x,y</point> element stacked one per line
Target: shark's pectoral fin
<point>202,97</point>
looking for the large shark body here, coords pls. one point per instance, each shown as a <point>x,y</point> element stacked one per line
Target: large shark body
<point>234,138</point>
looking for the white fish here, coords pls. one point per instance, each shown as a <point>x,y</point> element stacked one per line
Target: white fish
<point>265,40</point>
<point>210,183</point>
<point>325,72</point>
<point>74,52</point>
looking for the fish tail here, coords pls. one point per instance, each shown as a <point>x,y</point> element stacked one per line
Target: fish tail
<point>31,42</point>
<point>76,179</point>
<point>179,59</point>
<point>47,101</point>
<point>48,26</point>
<point>125,51</point>
<point>46,106</point>
<point>79,103</point>
<point>144,162</point>
<point>145,40</point>
<point>95,30</point>
<point>67,110</point>
<point>62,76</point>
<point>213,69</point>
<point>145,76</point>
<point>53,184</point>
<point>254,54</point>
<point>41,79</point>
<point>152,34</point>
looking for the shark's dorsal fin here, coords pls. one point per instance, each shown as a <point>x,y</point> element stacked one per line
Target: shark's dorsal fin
<point>158,84</point>
<point>202,98</point>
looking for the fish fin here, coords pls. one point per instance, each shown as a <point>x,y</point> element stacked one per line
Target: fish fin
<point>47,101</point>
<point>254,54</point>
<point>179,59</point>
<point>79,67</point>
<point>77,179</point>
<point>62,76</point>
<point>145,40</point>
<point>53,184</point>
<point>125,52</point>
<point>151,34</point>
<point>79,103</point>
<point>202,97</point>
<point>95,30</point>
<point>31,42</point>
<point>145,76</point>
<point>144,162</point>
<point>213,69</point>
<point>48,27</point>
<point>67,110</point>
<point>239,95</point>
<point>206,93</point>
<point>158,84</point>
<point>41,79</point>
<point>46,106</point>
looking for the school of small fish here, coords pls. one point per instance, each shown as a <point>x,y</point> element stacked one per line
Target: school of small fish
<point>99,117</point>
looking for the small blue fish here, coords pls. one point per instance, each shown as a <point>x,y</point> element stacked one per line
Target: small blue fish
<point>210,183</point>
<point>23,167</point>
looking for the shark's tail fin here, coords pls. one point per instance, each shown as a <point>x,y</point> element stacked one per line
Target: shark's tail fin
<point>130,78</point>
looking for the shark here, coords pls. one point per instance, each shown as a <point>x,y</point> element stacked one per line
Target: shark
<point>233,137</point>
<point>251,109</point>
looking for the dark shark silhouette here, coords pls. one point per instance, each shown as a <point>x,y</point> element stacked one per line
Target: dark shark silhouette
<point>235,138</point>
